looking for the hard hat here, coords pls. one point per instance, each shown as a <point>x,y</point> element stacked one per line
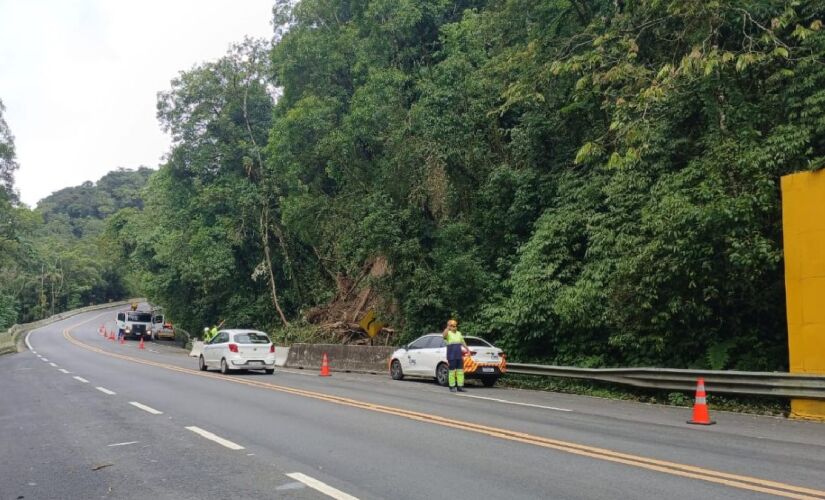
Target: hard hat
<point>206,328</point>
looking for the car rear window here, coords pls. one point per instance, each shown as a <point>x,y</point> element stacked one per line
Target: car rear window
<point>251,338</point>
<point>476,342</point>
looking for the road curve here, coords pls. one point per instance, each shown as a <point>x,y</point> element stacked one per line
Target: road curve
<point>84,417</point>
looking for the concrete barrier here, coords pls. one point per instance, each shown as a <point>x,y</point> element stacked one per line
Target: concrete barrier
<point>342,358</point>
<point>197,348</point>
<point>281,355</point>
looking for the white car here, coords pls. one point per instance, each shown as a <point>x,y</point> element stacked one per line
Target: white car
<point>426,356</point>
<point>232,350</point>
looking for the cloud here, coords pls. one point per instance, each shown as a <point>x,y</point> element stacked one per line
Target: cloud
<point>80,78</point>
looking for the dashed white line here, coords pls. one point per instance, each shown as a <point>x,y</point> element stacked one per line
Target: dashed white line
<point>80,379</point>
<point>322,487</point>
<point>106,391</point>
<point>123,444</point>
<point>45,360</point>
<point>515,403</point>
<point>64,370</point>
<point>145,408</point>
<point>33,351</point>
<point>53,364</point>
<point>221,441</point>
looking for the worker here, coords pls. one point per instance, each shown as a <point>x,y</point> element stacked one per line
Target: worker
<point>206,337</point>
<point>213,332</point>
<point>455,358</point>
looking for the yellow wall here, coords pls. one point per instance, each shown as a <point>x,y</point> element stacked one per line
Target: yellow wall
<point>803,217</point>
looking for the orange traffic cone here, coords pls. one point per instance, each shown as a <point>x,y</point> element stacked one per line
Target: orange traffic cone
<point>700,407</point>
<point>112,335</point>
<point>141,346</point>
<point>325,366</point>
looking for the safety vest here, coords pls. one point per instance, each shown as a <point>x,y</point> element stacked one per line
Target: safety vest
<point>213,333</point>
<point>454,337</point>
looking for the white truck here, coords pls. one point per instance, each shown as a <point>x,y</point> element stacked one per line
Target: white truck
<point>137,324</point>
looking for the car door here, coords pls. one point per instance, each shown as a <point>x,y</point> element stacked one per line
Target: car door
<point>409,360</point>
<point>434,353</point>
<point>214,351</point>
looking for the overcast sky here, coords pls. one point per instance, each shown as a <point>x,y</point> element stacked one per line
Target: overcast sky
<point>79,78</point>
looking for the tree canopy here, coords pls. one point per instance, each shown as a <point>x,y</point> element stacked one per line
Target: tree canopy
<point>585,182</point>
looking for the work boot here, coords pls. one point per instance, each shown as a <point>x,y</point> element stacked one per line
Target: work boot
<point>452,389</point>
<point>460,389</point>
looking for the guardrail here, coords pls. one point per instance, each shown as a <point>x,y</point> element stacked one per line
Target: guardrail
<point>778,384</point>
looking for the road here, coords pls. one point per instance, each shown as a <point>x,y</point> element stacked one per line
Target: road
<point>84,417</point>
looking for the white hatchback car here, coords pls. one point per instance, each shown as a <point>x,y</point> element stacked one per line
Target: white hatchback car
<point>238,350</point>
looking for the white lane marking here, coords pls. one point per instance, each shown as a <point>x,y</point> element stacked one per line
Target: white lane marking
<point>322,487</point>
<point>145,408</point>
<point>106,391</point>
<point>515,403</point>
<point>64,370</point>
<point>33,351</point>
<point>123,444</point>
<point>53,364</point>
<point>217,439</point>
<point>45,360</point>
<point>29,344</point>
<point>81,379</point>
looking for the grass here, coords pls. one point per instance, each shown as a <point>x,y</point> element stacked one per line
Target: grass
<point>771,406</point>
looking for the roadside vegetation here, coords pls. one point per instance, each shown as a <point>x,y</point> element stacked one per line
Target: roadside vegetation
<point>583,182</point>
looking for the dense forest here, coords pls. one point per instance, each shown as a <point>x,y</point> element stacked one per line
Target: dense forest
<point>588,182</point>
<point>52,258</point>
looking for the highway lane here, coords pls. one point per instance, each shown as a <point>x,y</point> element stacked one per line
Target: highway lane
<point>372,437</point>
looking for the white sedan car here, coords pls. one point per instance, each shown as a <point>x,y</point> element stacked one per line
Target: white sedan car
<point>238,350</point>
<point>426,356</point>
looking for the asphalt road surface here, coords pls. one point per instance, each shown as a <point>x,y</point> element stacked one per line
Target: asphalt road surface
<point>84,417</point>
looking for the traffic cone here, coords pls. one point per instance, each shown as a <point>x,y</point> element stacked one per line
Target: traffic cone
<point>141,346</point>
<point>325,366</point>
<point>700,407</point>
<point>112,335</point>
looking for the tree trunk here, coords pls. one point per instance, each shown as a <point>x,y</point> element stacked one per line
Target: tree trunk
<point>268,260</point>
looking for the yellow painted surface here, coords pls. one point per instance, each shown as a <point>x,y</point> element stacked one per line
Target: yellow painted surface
<point>803,217</point>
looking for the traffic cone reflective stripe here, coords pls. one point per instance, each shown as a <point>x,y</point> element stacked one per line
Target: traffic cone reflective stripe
<point>325,366</point>
<point>700,407</point>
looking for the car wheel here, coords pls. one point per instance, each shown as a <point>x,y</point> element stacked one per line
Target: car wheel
<point>395,370</point>
<point>269,371</point>
<point>224,368</point>
<point>442,374</point>
<point>489,381</point>
<point>201,364</point>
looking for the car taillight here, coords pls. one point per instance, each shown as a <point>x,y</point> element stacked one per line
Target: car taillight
<point>233,347</point>
<point>271,347</point>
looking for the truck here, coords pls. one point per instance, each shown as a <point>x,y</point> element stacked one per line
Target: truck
<point>137,324</point>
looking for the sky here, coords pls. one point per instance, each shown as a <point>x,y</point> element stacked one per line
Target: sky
<point>79,78</point>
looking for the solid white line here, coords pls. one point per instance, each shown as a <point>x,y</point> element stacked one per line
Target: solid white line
<point>212,437</point>
<point>28,344</point>
<point>322,487</point>
<point>106,391</point>
<point>123,444</point>
<point>515,403</point>
<point>64,370</point>
<point>81,379</point>
<point>54,365</point>
<point>145,408</point>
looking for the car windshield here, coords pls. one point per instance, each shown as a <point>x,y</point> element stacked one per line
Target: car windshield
<point>251,338</point>
<point>140,317</point>
<point>476,342</point>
